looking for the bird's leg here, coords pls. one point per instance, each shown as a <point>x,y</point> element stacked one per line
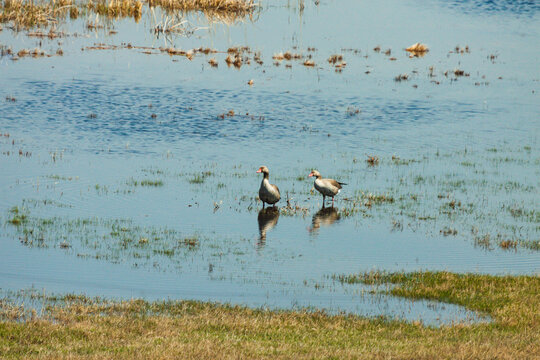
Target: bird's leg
<point>332,201</point>
<point>263,204</point>
<point>323,197</point>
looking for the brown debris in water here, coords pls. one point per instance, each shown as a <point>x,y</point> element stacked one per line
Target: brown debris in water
<point>117,8</point>
<point>460,50</point>
<point>417,50</point>
<point>372,160</point>
<point>456,72</point>
<point>335,58</point>
<point>287,56</point>
<point>235,60</point>
<point>228,114</point>
<point>173,51</point>
<point>401,77</point>
<point>52,34</point>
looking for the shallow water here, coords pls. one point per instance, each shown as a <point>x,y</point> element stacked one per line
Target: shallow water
<point>87,125</point>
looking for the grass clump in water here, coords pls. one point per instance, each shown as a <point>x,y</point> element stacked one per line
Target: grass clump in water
<point>117,8</point>
<point>146,182</point>
<point>26,14</point>
<point>200,178</point>
<point>197,179</point>
<point>18,216</point>
<point>240,7</point>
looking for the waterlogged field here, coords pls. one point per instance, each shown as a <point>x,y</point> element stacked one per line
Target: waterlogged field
<point>130,136</point>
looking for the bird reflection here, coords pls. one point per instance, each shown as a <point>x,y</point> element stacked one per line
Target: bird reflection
<point>324,217</point>
<point>267,219</point>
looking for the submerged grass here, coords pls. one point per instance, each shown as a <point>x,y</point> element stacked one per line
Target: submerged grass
<point>146,182</point>
<point>96,328</point>
<point>114,240</point>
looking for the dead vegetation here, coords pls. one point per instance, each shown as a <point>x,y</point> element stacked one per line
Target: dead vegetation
<point>24,14</point>
<point>231,6</point>
<point>401,77</point>
<point>287,55</point>
<point>417,50</point>
<point>372,160</point>
<point>27,14</point>
<point>117,8</point>
<point>461,50</point>
<point>456,73</point>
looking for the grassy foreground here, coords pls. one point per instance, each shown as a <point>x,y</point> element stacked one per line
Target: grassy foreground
<point>78,327</point>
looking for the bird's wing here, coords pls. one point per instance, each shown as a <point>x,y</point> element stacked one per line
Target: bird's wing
<point>335,183</point>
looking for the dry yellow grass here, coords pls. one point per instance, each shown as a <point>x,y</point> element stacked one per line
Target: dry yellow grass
<point>233,6</point>
<point>117,8</point>
<point>24,14</point>
<point>84,328</point>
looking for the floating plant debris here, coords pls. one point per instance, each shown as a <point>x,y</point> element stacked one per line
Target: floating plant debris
<point>401,77</point>
<point>335,58</point>
<point>417,50</point>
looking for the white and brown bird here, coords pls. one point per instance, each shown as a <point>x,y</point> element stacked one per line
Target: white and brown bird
<point>327,187</point>
<point>268,193</point>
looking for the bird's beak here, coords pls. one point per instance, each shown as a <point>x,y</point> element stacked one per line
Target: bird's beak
<point>310,175</point>
<point>259,170</point>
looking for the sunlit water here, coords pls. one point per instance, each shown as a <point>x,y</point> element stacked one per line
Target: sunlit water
<point>94,121</point>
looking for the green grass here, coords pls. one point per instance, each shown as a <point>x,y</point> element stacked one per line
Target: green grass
<point>505,298</point>
<point>197,179</point>
<point>82,327</point>
<point>146,182</point>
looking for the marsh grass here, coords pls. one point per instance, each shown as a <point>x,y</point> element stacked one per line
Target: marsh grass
<point>117,8</point>
<point>26,14</point>
<point>99,328</point>
<point>231,6</point>
<point>113,240</point>
<point>200,177</point>
<point>146,182</point>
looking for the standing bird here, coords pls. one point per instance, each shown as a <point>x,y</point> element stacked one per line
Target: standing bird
<point>327,187</point>
<point>268,193</point>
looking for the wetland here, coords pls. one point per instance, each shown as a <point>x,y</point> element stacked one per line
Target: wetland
<point>130,137</point>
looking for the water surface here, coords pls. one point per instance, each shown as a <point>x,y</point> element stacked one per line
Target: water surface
<point>456,153</point>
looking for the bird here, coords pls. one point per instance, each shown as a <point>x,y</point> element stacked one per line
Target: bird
<point>268,193</point>
<point>327,187</point>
